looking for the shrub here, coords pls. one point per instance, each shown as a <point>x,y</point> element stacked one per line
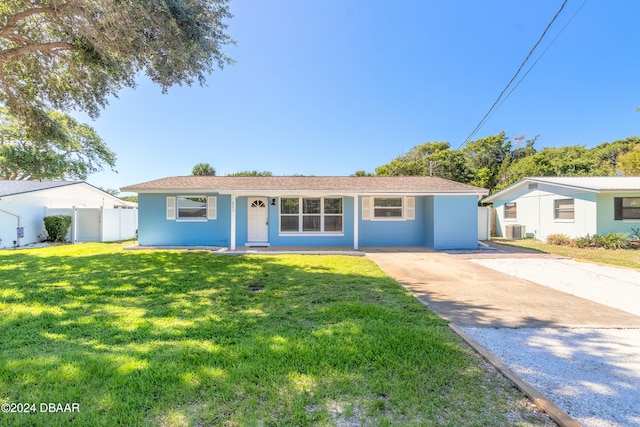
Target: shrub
<point>584,242</point>
<point>617,240</point>
<point>559,239</point>
<point>57,227</point>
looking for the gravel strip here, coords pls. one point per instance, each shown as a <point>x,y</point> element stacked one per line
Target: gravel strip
<point>592,374</point>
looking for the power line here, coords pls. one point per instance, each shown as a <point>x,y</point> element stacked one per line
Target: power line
<point>514,76</point>
<point>540,57</point>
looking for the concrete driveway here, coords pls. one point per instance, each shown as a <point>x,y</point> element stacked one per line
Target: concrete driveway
<point>473,295</point>
<point>574,341</point>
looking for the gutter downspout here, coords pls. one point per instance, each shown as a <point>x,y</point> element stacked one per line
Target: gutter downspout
<point>18,219</point>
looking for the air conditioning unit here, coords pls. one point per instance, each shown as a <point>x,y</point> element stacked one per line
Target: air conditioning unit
<point>515,231</point>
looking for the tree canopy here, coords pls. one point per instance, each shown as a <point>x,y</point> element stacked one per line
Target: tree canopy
<point>251,173</point>
<point>496,162</point>
<point>74,54</point>
<point>203,169</point>
<point>74,152</point>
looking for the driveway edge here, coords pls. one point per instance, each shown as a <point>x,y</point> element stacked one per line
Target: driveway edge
<point>550,408</point>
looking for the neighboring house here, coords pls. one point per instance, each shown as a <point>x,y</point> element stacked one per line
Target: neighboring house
<point>97,215</point>
<point>308,211</point>
<point>575,206</point>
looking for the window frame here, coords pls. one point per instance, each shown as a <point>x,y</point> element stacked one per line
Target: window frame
<point>400,208</point>
<point>408,208</point>
<point>619,209</point>
<point>557,210</point>
<point>507,216</point>
<point>306,212</point>
<point>173,208</point>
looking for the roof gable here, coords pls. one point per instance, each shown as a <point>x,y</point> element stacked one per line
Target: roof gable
<point>294,184</point>
<point>10,188</point>
<point>589,184</point>
<point>15,188</point>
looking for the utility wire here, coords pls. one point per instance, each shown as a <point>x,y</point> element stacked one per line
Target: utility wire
<point>540,57</point>
<point>514,77</point>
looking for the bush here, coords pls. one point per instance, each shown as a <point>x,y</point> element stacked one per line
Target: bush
<point>616,241</point>
<point>559,239</point>
<point>57,227</point>
<point>583,242</point>
<point>608,241</point>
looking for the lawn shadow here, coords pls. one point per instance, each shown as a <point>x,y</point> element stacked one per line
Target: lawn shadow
<point>189,337</point>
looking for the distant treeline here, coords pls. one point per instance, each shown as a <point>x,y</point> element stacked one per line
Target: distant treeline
<point>496,161</point>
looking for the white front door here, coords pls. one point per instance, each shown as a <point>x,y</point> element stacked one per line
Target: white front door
<point>258,227</point>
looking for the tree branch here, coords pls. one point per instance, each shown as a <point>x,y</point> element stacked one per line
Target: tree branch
<point>52,47</point>
<point>12,23</point>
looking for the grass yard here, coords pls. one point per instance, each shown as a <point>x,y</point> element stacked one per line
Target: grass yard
<point>629,258</point>
<point>194,339</point>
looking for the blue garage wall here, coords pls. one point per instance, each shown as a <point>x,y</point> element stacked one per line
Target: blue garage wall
<point>155,229</point>
<point>394,233</point>
<point>455,222</point>
<point>428,221</point>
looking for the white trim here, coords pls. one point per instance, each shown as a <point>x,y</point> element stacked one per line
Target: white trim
<point>300,215</point>
<point>308,234</point>
<point>402,216</point>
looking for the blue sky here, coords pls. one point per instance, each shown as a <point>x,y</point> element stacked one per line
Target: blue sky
<point>334,86</point>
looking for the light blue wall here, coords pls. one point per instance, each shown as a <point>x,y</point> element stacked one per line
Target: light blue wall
<point>455,220</point>
<point>606,222</point>
<point>429,221</point>
<point>441,222</point>
<point>393,233</point>
<point>155,229</point>
<point>277,239</point>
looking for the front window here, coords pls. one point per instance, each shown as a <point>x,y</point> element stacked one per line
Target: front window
<point>627,208</point>
<point>510,210</point>
<point>311,215</point>
<point>564,209</point>
<point>387,207</point>
<point>192,207</point>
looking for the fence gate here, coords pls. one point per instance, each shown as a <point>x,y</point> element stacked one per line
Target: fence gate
<point>88,225</point>
<point>484,223</point>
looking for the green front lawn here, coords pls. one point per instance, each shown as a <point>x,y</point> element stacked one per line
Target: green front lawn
<point>191,338</point>
<point>629,258</point>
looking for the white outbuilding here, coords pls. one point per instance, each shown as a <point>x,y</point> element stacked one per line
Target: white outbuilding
<point>96,215</point>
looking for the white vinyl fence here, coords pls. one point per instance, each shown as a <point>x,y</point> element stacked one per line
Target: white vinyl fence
<point>484,223</point>
<point>99,224</point>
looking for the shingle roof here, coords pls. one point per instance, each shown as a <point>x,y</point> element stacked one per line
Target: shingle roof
<point>297,184</point>
<point>8,187</point>
<point>593,184</point>
<point>596,183</point>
